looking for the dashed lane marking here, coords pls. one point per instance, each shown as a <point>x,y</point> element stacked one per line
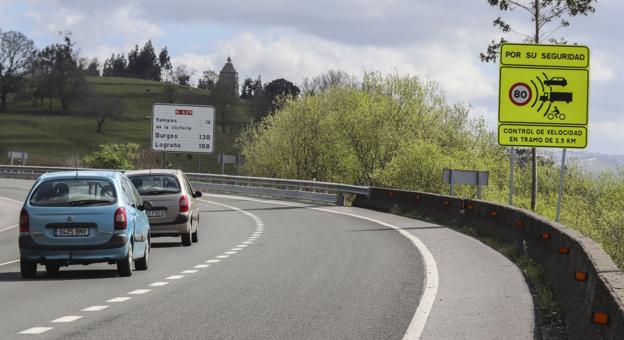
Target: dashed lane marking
<point>230,252</point>
<point>174,277</point>
<point>9,262</point>
<point>69,318</point>
<point>36,330</point>
<point>202,266</point>
<point>223,256</point>
<point>94,308</point>
<point>213,261</point>
<point>119,299</point>
<point>159,284</point>
<point>9,228</point>
<point>189,271</point>
<point>139,291</point>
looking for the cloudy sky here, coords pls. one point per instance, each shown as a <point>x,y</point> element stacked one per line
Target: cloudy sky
<point>436,39</point>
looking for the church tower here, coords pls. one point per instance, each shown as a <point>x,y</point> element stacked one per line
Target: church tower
<point>228,77</point>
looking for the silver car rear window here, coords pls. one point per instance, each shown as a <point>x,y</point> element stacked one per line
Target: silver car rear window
<point>74,192</point>
<point>156,184</point>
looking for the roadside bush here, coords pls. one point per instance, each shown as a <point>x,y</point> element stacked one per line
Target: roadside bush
<point>113,156</point>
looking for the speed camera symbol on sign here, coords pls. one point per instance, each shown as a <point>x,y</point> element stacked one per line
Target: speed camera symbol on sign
<point>520,94</point>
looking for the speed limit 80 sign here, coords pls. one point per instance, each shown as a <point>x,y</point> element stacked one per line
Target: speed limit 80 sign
<point>520,94</point>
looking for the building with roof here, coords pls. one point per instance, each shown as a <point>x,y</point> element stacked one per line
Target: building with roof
<point>228,77</point>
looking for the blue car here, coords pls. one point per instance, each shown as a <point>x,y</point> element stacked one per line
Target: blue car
<point>83,217</point>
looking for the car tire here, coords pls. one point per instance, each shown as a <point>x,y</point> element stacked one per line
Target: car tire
<point>124,266</point>
<point>142,263</point>
<point>28,269</point>
<point>194,235</point>
<point>186,238</point>
<point>52,269</point>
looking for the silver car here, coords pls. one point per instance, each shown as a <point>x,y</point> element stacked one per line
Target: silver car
<point>174,211</point>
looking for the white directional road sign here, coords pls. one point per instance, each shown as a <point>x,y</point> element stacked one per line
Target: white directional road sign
<point>183,128</point>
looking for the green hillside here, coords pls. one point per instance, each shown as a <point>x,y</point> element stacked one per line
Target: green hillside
<point>53,137</point>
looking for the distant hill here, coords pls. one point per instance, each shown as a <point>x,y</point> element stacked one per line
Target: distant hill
<point>592,162</point>
<point>52,137</point>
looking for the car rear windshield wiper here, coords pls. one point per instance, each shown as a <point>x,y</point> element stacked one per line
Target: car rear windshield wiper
<point>87,202</point>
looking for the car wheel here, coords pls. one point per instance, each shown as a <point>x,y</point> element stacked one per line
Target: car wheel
<point>194,235</point>
<point>186,238</point>
<point>52,268</point>
<point>28,269</point>
<point>142,263</point>
<point>124,267</point>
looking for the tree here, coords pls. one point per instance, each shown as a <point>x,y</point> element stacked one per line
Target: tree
<point>208,80</point>
<point>275,91</point>
<point>168,94</point>
<point>182,75</point>
<point>325,81</point>
<point>251,87</point>
<point>16,51</point>
<point>164,61</point>
<point>116,66</point>
<point>133,64</point>
<point>547,16</point>
<point>148,66</point>
<point>93,69</point>
<point>67,79</point>
<point>102,108</point>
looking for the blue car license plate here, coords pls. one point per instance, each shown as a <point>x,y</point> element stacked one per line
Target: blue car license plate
<point>71,232</point>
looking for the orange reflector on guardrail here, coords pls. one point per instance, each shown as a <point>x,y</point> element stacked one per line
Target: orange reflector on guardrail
<point>446,202</point>
<point>391,194</point>
<point>580,276</point>
<point>600,318</point>
<point>493,213</point>
<point>418,197</point>
<point>519,223</point>
<point>470,206</point>
<point>546,236</point>
<point>564,250</point>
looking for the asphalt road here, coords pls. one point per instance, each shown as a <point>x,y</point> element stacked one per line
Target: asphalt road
<point>275,270</point>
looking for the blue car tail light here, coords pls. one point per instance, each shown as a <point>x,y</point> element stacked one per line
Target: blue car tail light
<point>121,220</point>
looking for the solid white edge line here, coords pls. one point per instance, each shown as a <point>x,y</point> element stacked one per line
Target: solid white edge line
<point>9,262</point>
<point>417,325</point>
<point>9,228</point>
<point>11,200</point>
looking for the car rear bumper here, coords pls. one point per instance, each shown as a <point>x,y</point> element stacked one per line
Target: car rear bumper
<point>180,226</point>
<point>114,250</point>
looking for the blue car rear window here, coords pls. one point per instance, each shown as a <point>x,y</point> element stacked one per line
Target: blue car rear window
<point>74,192</point>
<point>156,184</point>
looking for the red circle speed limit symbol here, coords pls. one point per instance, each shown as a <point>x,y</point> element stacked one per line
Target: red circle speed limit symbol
<point>520,94</point>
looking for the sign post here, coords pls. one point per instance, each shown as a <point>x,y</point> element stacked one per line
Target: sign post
<point>543,99</point>
<point>182,128</point>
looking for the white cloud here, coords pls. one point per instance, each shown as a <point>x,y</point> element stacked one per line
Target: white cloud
<point>600,68</point>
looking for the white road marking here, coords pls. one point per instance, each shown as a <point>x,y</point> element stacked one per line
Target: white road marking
<point>213,261</point>
<point>223,256</point>
<point>174,277</point>
<point>230,252</point>
<point>9,228</point>
<point>247,242</point>
<point>9,262</point>
<point>69,318</point>
<point>242,245</point>
<point>202,266</point>
<point>119,299</point>
<point>11,200</point>
<point>417,325</point>
<point>189,271</point>
<point>36,330</point>
<point>236,249</point>
<point>139,291</point>
<point>94,308</point>
<point>159,284</point>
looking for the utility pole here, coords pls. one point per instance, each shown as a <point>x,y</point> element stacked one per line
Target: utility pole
<point>533,151</point>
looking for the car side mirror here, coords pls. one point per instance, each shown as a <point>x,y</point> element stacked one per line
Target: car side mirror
<point>147,205</point>
<point>197,194</point>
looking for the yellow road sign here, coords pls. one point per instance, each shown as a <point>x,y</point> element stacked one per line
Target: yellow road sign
<point>543,95</point>
<point>567,56</point>
<point>546,136</point>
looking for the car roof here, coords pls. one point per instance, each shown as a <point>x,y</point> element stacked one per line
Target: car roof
<point>154,172</point>
<point>111,174</point>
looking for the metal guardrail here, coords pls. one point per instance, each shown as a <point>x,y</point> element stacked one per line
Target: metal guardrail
<point>280,188</point>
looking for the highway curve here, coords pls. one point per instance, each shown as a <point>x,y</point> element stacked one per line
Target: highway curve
<point>275,270</point>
